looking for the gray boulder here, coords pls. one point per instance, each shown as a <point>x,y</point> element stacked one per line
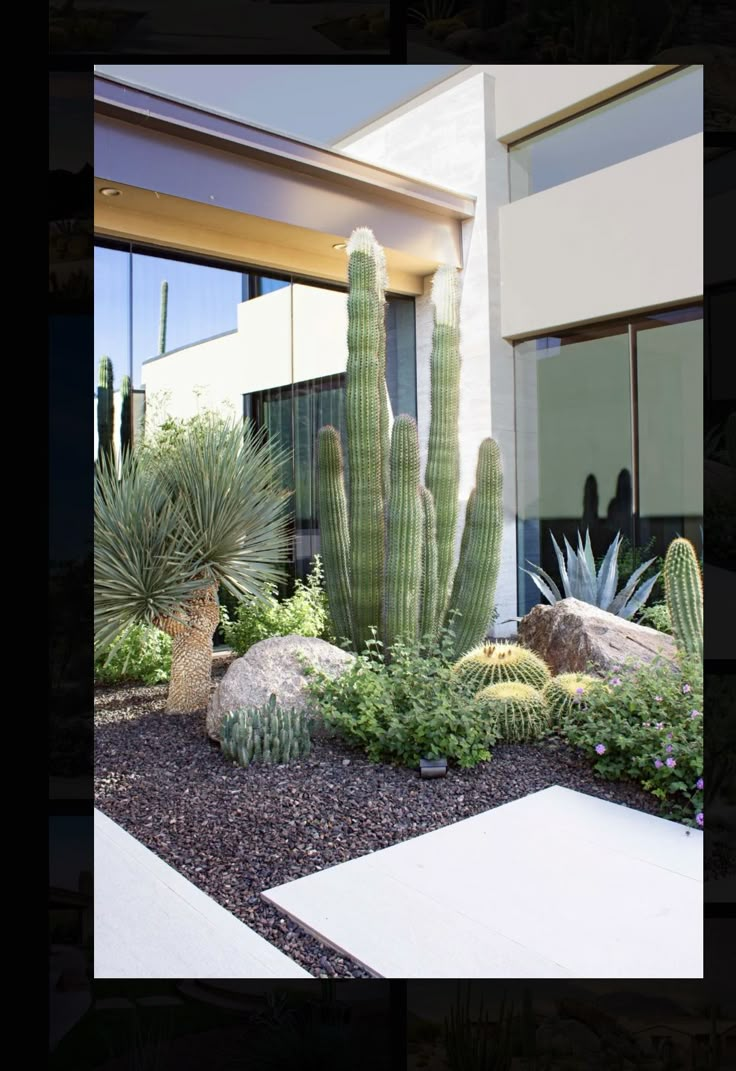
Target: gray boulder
<point>572,633</point>
<point>272,667</point>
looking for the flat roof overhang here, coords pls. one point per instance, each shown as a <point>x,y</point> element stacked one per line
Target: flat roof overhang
<point>207,184</point>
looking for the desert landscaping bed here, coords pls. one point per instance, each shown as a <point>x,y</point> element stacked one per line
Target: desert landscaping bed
<point>234,832</point>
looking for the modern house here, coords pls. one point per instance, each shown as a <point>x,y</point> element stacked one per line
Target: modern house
<point>570,200</point>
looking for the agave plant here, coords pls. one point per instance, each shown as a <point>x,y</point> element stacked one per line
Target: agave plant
<point>433,11</point>
<point>206,511</point>
<point>580,580</point>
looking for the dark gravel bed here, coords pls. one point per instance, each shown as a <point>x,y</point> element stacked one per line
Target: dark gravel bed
<point>234,832</point>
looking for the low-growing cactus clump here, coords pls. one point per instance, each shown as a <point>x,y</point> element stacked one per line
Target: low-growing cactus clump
<point>495,663</point>
<point>265,734</point>
<point>566,692</point>
<point>517,712</point>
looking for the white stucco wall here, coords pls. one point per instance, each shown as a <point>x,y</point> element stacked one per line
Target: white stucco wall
<point>627,237</point>
<point>448,138</point>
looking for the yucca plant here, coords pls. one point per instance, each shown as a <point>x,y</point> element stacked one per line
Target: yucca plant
<point>206,511</point>
<point>580,580</point>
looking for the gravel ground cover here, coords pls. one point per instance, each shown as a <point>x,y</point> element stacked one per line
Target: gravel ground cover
<point>234,832</point>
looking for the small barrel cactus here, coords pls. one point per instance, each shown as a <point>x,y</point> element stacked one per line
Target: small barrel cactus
<point>493,663</point>
<point>518,712</point>
<point>683,587</point>
<point>566,693</point>
<point>267,734</point>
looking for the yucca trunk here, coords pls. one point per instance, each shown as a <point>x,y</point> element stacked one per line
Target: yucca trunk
<point>191,653</point>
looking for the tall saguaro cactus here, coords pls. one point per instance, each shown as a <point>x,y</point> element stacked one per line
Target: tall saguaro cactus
<point>163,314</point>
<point>443,458</point>
<point>683,589</point>
<point>389,550</point>
<point>125,415</point>
<point>404,534</point>
<point>366,276</point>
<point>105,408</point>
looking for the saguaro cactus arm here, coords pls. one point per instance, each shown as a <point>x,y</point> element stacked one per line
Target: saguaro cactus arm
<point>163,315</point>
<point>428,615</point>
<point>125,415</point>
<point>335,538</point>
<point>404,554</point>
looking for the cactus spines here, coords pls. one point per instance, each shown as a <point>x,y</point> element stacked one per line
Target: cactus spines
<point>404,535</point>
<point>566,693</point>
<point>428,613</point>
<point>105,408</point>
<point>333,518</point>
<point>517,711</point>
<point>366,274</point>
<point>126,415</point>
<point>266,734</point>
<point>683,588</point>
<point>493,663</point>
<point>163,314</point>
<point>474,586</point>
<point>442,475</point>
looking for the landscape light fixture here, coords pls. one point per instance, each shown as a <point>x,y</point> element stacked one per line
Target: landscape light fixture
<point>433,767</point>
<point>109,191</point>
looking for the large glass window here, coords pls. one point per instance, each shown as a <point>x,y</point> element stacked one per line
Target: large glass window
<point>609,437</point>
<point>668,110</point>
<point>221,337</point>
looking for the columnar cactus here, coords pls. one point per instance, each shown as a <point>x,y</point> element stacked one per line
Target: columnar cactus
<point>266,734</point>
<point>335,541</point>
<point>442,475</point>
<point>566,693</point>
<point>125,415</point>
<point>163,315</point>
<point>474,587</point>
<point>428,613</point>
<point>363,403</point>
<point>399,583</point>
<point>517,712</point>
<point>105,408</point>
<point>683,588</point>
<point>492,663</point>
<point>404,535</point>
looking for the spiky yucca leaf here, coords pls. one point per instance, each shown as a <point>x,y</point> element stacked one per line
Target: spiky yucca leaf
<point>206,511</point>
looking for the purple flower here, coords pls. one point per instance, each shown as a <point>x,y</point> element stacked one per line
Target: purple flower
<point>669,747</point>
<point>694,713</point>
<point>699,783</point>
<point>699,818</point>
<point>671,762</point>
<point>579,691</point>
<point>659,725</point>
<point>686,688</point>
<point>658,763</point>
<point>658,699</point>
<point>616,680</point>
<point>669,736</point>
<point>600,748</point>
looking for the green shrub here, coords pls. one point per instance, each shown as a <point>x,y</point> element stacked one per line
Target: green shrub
<point>304,614</point>
<point>411,708</point>
<point>645,723</point>
<point>656,616</point>
<point>142,653</point>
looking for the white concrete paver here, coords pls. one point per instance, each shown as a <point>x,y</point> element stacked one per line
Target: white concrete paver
<point>556,884</point>
<point>150,922</point>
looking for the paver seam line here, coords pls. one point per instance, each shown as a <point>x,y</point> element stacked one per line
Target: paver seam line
<point>243,930</point>
<point>491,931</point>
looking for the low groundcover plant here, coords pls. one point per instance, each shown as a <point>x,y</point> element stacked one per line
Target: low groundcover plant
<point>645,723</point>
<point>410,708</point>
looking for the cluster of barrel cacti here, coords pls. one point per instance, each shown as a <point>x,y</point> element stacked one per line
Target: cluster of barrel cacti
<point>683,587</point>
<point>269,734</point>
<point>388,541</point>
<point>495,663</point>
<point>565,692</point>
<point>517,711</point>
<point>106,412</point>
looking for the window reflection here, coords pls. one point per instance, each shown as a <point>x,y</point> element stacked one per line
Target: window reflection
<point>655,115</point>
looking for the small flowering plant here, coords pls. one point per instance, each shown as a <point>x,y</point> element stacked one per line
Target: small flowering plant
<point>618,731</point>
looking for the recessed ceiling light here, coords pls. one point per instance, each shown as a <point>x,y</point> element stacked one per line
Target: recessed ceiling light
<point>340,245</point>
<point>109,191</point>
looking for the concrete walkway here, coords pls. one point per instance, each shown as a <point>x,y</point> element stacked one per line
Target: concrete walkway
<point>150,922</point>
<point>557,884</point>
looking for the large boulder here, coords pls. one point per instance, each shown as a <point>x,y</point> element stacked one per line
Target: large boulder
<point>572,633</point>
<point>272,667</point>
